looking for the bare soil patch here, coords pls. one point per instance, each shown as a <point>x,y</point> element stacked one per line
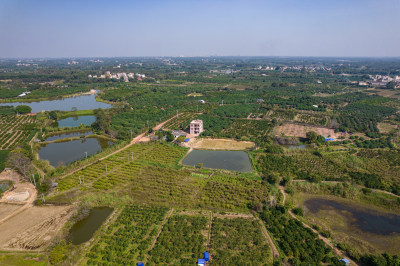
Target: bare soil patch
<point>386,127</point>
<point>33,228</point>
<point>219,144</point>
<point>296,130</point>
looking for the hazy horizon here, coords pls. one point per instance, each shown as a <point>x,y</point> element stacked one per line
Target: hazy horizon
<point>90,29</point>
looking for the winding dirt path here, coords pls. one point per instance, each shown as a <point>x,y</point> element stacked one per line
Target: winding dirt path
<point>338,252</point>
<point>275,252</point>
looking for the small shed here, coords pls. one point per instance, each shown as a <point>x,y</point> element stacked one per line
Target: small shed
<point>206,256</point>
<point>201,262</point>
<point>140,263</point>
<point>345,261</point>
<point>329,139</point>
<point>186,140</point>
<point>178,133</point>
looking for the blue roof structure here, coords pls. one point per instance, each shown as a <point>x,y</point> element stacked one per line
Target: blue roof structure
<point>140,264</point>
<point>329,139</point>
<point>201,261</point>
<point>346,261</point>
<point>186,140</point>
<point>206,256</point>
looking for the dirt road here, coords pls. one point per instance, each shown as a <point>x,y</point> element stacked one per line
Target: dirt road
<point>275,252</point>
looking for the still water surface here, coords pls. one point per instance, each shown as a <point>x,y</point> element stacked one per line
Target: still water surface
<point>84,229</point>
<point>73,150</point>
<point>364,219</point>
<point>68,135</point>
<point>229,160</point>
<point>83,102</point>
<point>76,121</point>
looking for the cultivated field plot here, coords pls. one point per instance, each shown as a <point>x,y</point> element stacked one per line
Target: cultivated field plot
<point>128,239</point>
<point>247,129</point>
<point>182,121</point>
<point>312,118</point>
<point>33,228</point>
<point>123,166</point>
<point>16,129</point>
<point>182,241</point>
<point>295,130</point>
<point>220,144</point>
<point>150,175</point>
<point>238,241</point>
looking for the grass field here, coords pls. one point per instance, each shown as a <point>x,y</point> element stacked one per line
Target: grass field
<point>23,259</point>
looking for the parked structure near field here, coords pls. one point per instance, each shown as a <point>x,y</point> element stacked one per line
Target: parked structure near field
<point>196,127</point>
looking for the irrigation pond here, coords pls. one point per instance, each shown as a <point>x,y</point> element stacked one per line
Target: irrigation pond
<point>83,230</point>
<point>228,160</point>
<point>357,224</point>
<point>76,121</point>
<point>72,150</point>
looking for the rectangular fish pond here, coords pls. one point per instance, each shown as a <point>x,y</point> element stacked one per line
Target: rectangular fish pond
<point>228,160</point>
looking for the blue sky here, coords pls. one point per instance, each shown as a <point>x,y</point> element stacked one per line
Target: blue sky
<point>73,28</point>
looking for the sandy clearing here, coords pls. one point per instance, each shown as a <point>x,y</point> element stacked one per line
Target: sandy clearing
<point>219,144</point>
<point>34,227</point>
<point>296,130</point>
<point>6,209</point>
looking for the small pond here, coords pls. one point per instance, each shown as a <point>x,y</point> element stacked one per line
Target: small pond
<point>84,229</point>
<point>83,102</point>
<point>68,135</point>
<point>228,160</point>
<point>73,150</point>
<point>76,121</point>
<point>364,219</point>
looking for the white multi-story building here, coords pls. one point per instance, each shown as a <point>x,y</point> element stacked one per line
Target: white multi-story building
<point>196,127</point>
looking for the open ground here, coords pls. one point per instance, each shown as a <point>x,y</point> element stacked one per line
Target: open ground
<point>296,130</point>
<point>219,144</point>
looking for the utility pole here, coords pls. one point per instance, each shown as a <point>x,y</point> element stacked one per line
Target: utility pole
<point>131,133</point>
<point>147,123</point>
<point>86,155</point>
<point>222,102</point>
<point>43,198</point>
<point>80,181</point>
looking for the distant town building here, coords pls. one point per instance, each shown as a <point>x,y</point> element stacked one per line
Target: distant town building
<point>196,127</point>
